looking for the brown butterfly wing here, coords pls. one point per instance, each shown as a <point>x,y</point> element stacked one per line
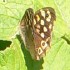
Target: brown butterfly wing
<point>26,31</point>
<point>42,29</point>
<point>36,30</point>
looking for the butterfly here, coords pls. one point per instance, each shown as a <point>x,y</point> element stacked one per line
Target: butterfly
<point>36,30</point>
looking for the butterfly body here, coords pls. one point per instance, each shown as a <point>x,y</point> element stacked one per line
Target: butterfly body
<point>36,29</point>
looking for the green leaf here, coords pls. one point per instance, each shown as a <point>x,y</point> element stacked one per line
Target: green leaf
<point>58,57</point>
<point>10,16</point>
<point>14,56</point>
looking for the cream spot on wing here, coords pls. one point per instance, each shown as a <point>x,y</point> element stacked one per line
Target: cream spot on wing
<point>42,13</point>
<point>37,30</point>
<point>38,26</point>
<point>49,17</point>
<point>47,39</point>
<point>48,12</point>
<point>42,35</point>
<point>42,22</point>
<point>40,51</point>
<point>38,18</point>
<point>50,26</point>
<point>45,29</point>
<point>37,57</point>
<point>44,44</point>
<point>34,22</point>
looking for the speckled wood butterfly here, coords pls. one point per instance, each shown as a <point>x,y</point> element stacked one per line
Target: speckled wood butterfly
<point>36,29</point>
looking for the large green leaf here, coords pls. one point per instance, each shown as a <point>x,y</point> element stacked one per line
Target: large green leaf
<point>14,56</point>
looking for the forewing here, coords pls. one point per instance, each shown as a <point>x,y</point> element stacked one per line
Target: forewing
<point>42,29</point>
